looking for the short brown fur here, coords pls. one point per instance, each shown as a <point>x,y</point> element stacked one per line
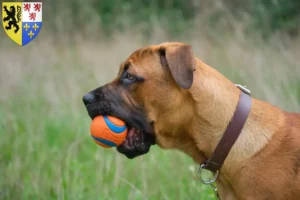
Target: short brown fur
<point>264,163</point>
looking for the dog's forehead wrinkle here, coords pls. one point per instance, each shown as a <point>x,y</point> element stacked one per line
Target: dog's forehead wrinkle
<point>141,53</point>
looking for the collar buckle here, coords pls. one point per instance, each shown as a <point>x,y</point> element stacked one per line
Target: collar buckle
<point>244,89</point>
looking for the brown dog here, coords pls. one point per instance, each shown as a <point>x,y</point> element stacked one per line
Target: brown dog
<point>169,97</point>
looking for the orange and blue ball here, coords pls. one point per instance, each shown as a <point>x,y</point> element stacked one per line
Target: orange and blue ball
<point>108,131</point>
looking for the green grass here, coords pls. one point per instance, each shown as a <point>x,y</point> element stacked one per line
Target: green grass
<point>46,149</point>
<point>51,156</point>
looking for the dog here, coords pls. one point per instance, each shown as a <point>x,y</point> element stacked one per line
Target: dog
<point>169,97</point>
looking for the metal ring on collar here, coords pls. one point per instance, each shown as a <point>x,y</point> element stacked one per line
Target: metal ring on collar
<point>207,182</point>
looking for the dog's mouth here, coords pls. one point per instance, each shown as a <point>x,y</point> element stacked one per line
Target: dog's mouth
<point>137,142</point>
<point>140,134</point>
<point>134,137</point>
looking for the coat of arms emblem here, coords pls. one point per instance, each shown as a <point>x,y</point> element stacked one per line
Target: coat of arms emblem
<point>22,21</point>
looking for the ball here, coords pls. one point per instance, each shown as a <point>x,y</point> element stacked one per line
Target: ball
<point>108,131</point>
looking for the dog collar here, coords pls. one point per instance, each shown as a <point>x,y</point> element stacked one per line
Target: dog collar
<point>234,128</point>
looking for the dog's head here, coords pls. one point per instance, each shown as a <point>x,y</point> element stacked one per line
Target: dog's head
<point>148,94</point>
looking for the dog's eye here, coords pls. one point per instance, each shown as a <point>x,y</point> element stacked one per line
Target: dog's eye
<point>130,77</point>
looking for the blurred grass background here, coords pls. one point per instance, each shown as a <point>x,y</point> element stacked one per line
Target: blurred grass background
<point>46,150</point>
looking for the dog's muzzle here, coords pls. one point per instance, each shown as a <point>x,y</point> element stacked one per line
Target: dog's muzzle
<point>140,136</point>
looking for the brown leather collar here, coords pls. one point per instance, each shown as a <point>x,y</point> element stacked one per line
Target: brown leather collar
<point>232,132</point>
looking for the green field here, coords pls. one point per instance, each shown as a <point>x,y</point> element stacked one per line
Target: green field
<point>46,151</point>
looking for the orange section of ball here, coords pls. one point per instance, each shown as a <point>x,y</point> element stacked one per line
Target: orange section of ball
<point>103,135</point>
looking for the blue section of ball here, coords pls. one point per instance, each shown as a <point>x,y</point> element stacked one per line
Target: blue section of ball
<point>113,127</point>
<point>106,142</point>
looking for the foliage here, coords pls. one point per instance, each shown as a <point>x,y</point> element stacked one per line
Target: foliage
<point>176,16</point>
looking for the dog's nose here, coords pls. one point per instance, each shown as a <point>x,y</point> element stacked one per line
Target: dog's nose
<point>88,98</point>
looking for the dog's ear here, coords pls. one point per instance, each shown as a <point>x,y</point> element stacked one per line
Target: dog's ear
<point>181,62</point>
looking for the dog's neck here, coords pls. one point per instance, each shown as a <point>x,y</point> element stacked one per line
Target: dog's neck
<point>215,100</point>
